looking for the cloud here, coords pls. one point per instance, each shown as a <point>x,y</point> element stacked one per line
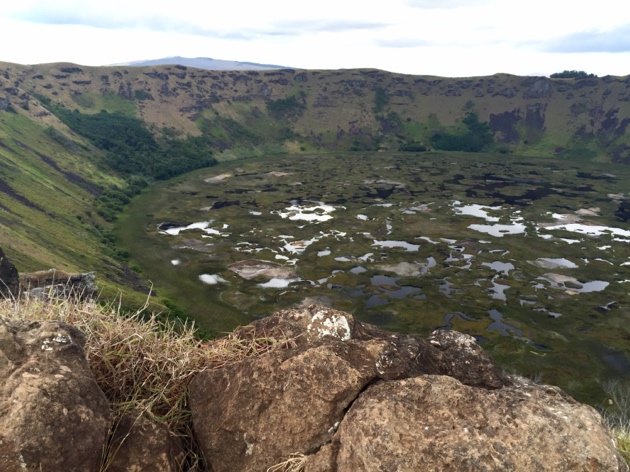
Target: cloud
<point>444,4</point>
<point>71,13</point>
<point>405,43</point>
<point>327,26</point>
<point>156,23</point>
<point>617,40</point>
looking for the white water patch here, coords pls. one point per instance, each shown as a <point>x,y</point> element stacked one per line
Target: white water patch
<point>217,178</point>
<point>572,241</point>
<point>604,260</point>
<point>554,262</point>
<point>559,281</point>
<point>368,257</point>
<point>176,262</point>
<point>388,226</point>
<point>325,252</point>
<point>500,230</point>
<point>278,283</point>
<point>480,211</point>
<point>362,217</point>
<point>497,291</point>
<point>587,229</point>
<point>178,229</point>
<point>394,244</point>
<point>298,247</point>
<point>501,267</point>
<point>343,259</point>
<point>314,213</point>
<point>255,213</point>
<point>593,286</point>
<point>212,279</point>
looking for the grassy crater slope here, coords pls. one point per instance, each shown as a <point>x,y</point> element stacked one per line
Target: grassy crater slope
<point>61,183</point>
<point>247,112</point>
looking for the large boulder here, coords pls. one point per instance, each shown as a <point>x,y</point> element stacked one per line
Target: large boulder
<point>435,423</point>
<point>352,397</point>
<point>9,278</point>
<point>54,415</point>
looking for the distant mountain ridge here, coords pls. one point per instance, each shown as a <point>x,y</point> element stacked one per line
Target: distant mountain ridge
<point>206,63</point>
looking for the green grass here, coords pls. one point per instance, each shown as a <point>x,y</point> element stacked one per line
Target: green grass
<point>110,102</point>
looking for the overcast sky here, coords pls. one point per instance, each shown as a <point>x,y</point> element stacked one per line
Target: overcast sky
<point>455,38</point>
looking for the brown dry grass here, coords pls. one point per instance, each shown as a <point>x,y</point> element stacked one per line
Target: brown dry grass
<point>294,463</point>
<point>143,364</point>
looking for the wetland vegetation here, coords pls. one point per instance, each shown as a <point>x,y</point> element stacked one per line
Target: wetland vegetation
<point>525,254</point>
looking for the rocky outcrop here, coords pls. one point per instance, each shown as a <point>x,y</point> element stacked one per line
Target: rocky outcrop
<point>539,87</point>
<point>9,278</point>
<point>352,397</point>
<point>54,415</point>
<point>51,284</point>
<point>337,395</point>
<point>623,212</point>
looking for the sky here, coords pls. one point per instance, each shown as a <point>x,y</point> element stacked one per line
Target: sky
<point>452,38</point>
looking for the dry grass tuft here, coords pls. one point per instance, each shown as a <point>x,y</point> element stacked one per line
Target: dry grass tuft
<point>295,463</point>
<point>143,364</point>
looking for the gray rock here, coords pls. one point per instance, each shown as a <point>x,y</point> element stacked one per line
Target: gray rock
<point>51,284</point>
<point>540,87</point>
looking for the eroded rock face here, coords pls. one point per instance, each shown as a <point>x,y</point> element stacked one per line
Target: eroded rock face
<point>352,397</point>
<point>435,423</point>
<point>9,278</point>
<point>54,415</point>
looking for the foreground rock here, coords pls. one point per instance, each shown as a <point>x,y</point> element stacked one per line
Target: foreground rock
<point>54,415</point>
<point>354,398</point>
<point>139,444</point>
<point>435,423</point>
